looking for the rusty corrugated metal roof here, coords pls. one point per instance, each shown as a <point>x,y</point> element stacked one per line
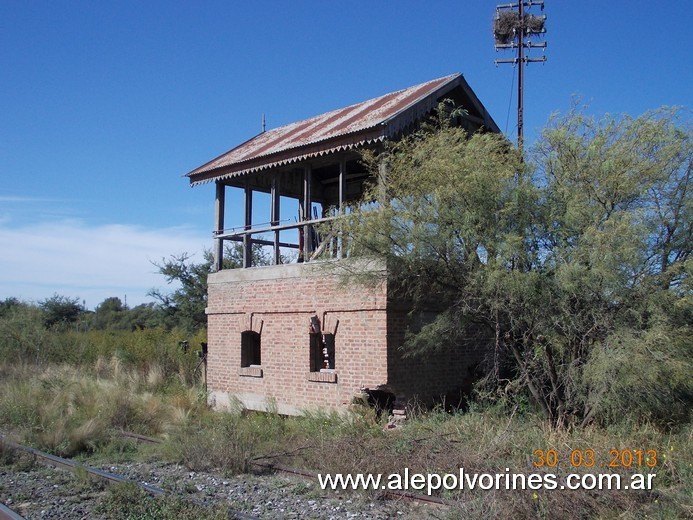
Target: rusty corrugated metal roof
<point>353,126</point>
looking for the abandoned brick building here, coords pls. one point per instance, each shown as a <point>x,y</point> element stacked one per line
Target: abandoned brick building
<point>290,333</point>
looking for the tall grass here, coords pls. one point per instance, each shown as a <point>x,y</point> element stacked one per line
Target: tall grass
<point>69,410</point>
<point>71,392</point>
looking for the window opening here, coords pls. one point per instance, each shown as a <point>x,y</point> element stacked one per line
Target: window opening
<point>322,352</point>
<point>250,349</point>
<point>322,348</point>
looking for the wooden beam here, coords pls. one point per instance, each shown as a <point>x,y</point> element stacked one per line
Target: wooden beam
<point>341,249</point>
<point>307,209</point>
<point>323,245</point>
<point>264,242</point>
<point>219,202</point>
<point>247,241</point>
<point>256,231</point>
<point>274,216</point>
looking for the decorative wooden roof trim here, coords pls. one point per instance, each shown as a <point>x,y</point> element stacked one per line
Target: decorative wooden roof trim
<point>356,126</point>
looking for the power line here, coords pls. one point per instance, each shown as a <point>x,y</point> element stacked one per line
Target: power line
<point>510,101</point>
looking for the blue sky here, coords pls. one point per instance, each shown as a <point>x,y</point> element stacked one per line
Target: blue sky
<point>104,106</point>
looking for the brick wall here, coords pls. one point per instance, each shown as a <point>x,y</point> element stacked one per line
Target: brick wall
<point>440,376</point>
<point>277,302</point>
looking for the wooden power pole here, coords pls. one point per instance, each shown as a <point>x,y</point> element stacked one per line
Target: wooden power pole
<point>512,30</point>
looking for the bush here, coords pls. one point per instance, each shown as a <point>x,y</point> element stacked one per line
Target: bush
<point>128,501</point>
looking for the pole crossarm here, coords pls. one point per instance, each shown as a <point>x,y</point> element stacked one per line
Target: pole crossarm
<point>517,60</point>
<point>511,33</point>
<point>527,45</point>
<point>527,3</point>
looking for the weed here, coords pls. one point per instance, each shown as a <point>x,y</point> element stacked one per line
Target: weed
<point>76,411</point>
<point>8,454</point>
<point>223,441</point>
<point>128,501</point>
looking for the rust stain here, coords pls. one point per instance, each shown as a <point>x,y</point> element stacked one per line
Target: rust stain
<point>338,123</point>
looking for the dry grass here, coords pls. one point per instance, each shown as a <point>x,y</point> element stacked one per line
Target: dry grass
<point>70,411</point>
<point>480,442</point>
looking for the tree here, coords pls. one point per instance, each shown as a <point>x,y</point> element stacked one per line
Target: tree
<point>10,305</point>
<point>61,310</point>
<point>185,307</point>
<point>110,314</point>
<point>145,316</point>
<point>566,261</point>
<point>617,241</point>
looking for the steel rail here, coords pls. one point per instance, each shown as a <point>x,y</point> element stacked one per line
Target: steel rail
<point>75,467</point>
<point>391,494</point>
<point>100,474</point>
<point>7,514</point>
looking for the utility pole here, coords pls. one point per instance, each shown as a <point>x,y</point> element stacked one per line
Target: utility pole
<point>511,28</point>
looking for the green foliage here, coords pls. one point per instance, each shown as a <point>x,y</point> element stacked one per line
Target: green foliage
<point>616,239</point>
<point>23,336</point>
<point>60,310</point>
<point>125,501</point>
<point>9,305</point>
<point>112,314</point>
<point>185,307</point>
<point>567,262</point>
<point>645,373</point>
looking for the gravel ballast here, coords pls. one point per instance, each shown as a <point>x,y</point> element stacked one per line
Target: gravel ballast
<point>38,491</point>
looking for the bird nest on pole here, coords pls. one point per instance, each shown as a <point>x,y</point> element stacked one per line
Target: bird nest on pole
<point>507,24</point>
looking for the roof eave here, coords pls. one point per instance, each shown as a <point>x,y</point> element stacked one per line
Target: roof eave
<point>345,142</point>
<point>389,128</point>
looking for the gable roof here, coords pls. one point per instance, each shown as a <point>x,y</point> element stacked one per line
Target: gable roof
<point>364,123</point>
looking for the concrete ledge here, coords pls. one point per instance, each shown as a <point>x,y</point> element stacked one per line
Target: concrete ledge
<point>322,377</point>
<point>284,271</point>
<point>220,400</point>
<point>250,371</point>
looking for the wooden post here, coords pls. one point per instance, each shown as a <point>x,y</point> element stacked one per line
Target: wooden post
<point>307,210</point>
<point>219,225</point>
<point>274,217</point>
<point>247,239</point>
<point>342,196</point>
<point>382,182</point>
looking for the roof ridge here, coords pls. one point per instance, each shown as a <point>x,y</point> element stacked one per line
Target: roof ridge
<point>352,120</point>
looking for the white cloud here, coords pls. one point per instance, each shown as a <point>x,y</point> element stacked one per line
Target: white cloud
<point>74,259</point>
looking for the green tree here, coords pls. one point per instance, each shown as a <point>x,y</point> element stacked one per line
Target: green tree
<point>567,262</point>
<point>113,314</point>
<point>12,305</point>
<point>185,307</point>
<point>61,311</point>
<point>23,335</point>
<point>145,316</point>
<point>617,242</point>
<point>110,314</point>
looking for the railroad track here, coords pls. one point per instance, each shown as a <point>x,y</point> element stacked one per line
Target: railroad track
<point>8,514</point>
<point>70,465</point>
<point>392,495</point>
